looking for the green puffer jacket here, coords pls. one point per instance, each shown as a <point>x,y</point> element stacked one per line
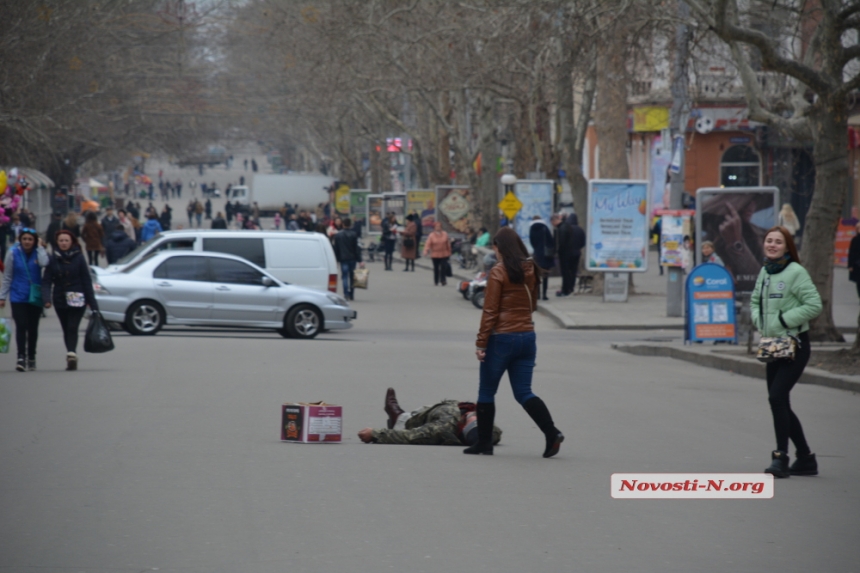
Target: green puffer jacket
<point>784,302</point>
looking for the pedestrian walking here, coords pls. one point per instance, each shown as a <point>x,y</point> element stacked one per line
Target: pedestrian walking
<point>570,240</point>
<point>71,224</point>
<point>788,219</point>
<point>543,247</point>
<point>277,221</point>
<point>109,222</point>
<point>118,245</point>
<point>68,285</point>
<point>207,209</point>
<point>55,225</point>
<point>151,228</point>
<point>93,235</point>
<point>178,187</point>
<point>246,163</point>
<point>127,225</point>
<point>409,244</point>
<point>189,210</point>
<point>218,222</point>
<point>254,165</point>
<point>782,304</point>
<point>506,342</point>
<point>348,254</point>
<point>854,259</point>
<point>438,246</point>
<point>198,213</point>
<point>389,239</point>
<point>22,286</point>
<point>166,218</point>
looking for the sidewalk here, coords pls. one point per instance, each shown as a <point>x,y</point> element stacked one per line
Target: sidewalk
<point>737,362</point>
<point>646,310</point>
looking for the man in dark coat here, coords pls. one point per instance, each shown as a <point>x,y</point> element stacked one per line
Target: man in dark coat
<point>570,240</point>
<point>348,254</point>
<point>543,246</point>
<point>119,244</point>
<point>55,225</point>
<point>110,222</point>
<point>854,260</point>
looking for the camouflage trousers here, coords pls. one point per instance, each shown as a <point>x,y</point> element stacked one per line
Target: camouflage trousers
<point>434,425</point>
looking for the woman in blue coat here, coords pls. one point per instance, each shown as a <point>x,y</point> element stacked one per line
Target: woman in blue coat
<point>22,286</point>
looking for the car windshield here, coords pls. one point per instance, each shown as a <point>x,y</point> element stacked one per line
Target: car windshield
<point>131,268</point>
<point>143,246</point>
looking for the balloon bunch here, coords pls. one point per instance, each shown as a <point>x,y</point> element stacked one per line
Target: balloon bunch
<point>12,187</point>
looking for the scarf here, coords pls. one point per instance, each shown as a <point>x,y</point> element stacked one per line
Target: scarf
<point>66,257</point>
<point>777,266</point>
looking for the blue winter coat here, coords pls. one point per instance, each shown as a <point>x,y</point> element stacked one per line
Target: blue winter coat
<point>150,229</point>
<point>16,283</point>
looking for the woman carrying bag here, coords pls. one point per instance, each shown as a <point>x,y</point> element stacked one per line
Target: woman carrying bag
<point>22,285</point>
<point>68,275</point>
<point>783,302</point>
<point>506,342</point>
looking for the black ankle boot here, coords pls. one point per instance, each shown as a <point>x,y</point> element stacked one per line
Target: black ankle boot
<point>779,464</point>
<point>540,414</point>
<point>804,466</point>
<point>486,413</point>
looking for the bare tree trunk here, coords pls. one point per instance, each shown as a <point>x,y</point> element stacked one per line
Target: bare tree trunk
<point>489,180</point>
<point>830,155</point>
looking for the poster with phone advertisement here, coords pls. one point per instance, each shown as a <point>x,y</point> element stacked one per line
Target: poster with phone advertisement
<point>736,220</point>
<point>455,210</point>
<point>617,233</point>
<point>374,214</point>
<point>674,226</point>
<point>423,203</point>
<point>536,197</point>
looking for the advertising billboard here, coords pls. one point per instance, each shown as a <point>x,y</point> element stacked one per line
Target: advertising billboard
<point>358,207</point>
<point>455,209</point>
<point>710,304</point>
<point>736,220</point>
<point>374,214</point>
<point>423,203</point>
<point>618,230</point>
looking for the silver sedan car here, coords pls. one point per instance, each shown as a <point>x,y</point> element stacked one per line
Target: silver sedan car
<point>212,289</point>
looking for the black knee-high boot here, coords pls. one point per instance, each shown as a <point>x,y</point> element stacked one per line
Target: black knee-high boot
<point>486,414</point>
<point>540,414</point>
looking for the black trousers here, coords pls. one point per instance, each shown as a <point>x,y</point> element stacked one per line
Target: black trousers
<point>70,320</point>
<point>94,257</point>
<point>569,266</point>
<point>782,375</point>
<point>389,245</point>
<point>26,317</point>
<point>439,266</point>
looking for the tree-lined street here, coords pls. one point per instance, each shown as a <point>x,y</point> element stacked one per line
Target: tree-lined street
<point>164,454</point>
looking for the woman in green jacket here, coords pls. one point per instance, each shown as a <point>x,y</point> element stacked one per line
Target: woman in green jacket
<point>783,302</point>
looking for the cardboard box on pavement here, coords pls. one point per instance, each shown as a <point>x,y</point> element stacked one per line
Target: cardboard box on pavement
<point>311,423</point>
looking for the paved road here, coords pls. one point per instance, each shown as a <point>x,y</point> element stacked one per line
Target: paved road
<point>164,454</point>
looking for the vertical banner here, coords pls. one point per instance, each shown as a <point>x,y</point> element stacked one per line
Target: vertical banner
<point>341,201</point>
<point>374,214</point>
<point>455,209</point>
<point>536,197</point>
<point>736,220</point>
<point>710,304</point>
<point>358,207</point>
<point>422,203</point>
<point>659,170</point>
<point>617,232</point>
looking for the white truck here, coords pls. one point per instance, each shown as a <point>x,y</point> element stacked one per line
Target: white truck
<point>270,192</point>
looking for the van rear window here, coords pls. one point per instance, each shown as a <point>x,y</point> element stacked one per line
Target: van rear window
<point>247,248</point>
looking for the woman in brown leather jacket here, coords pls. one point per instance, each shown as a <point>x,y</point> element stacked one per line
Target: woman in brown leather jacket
<point>506,341</point>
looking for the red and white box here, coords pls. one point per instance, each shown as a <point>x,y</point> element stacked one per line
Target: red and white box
<point>311,423</point>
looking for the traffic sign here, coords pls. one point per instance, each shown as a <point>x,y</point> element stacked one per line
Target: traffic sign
<point>510,205</point>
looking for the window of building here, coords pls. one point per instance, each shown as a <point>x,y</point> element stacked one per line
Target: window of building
<point>740,167</point>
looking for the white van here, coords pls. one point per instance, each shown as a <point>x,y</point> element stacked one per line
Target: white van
<point>295,257</point>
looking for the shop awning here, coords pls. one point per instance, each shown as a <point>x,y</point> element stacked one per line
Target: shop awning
<point>36,178</point>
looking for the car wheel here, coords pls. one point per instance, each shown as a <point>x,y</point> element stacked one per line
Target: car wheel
<point>478,299</point>
<point>144,317</point>
<point>303,321</point>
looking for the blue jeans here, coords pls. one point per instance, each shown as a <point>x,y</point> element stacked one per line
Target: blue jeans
<point>346,270</point>
<point>514,352</point>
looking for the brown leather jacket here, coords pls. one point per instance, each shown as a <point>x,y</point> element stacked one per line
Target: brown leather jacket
<point>507,307</point>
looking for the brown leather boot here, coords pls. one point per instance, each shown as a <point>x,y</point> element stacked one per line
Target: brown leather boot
<point>392,408</point>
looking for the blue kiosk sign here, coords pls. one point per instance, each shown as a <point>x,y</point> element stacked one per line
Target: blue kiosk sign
<point>710,304</point>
